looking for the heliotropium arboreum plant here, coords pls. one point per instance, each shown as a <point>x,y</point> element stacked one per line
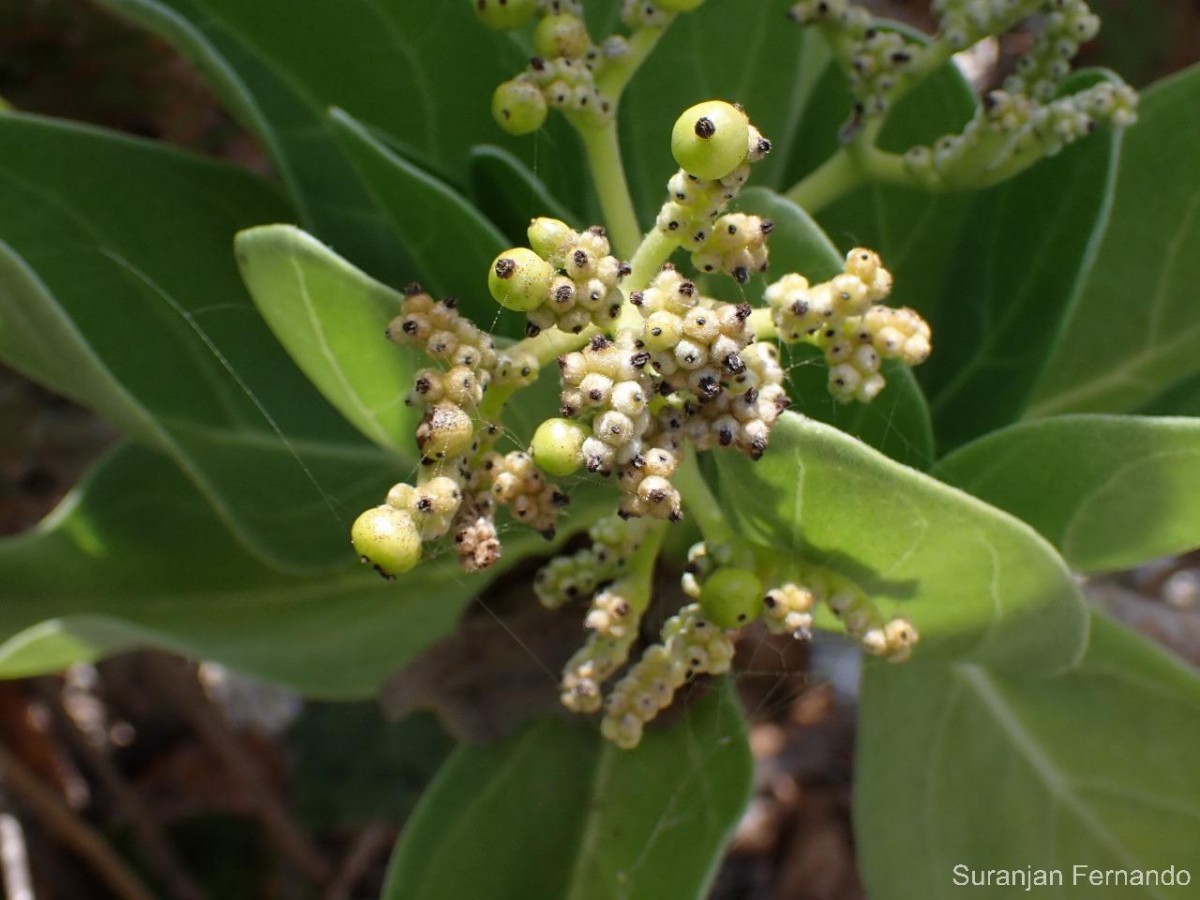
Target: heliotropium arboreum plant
<point>759,295</point>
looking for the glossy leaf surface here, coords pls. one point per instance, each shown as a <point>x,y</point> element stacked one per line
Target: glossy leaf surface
<point>331,318</point>
<point>120,290</point>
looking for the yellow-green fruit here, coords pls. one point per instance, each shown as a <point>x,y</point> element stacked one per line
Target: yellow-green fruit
<point>388,539</point>
<point>520,279</point>
<point>550,238</point>
<point>503,15</point>
<point>731,598</point>
<point>662,330</point>
<point>445,431</point>
<point>557,446</point>
<point>711,139</point>
<point>518,106</point>
<point>563,35</point>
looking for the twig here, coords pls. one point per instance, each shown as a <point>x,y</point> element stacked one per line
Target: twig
<point>179,679</point>
<point>155,848</point>
<point>14,857</point>
<point>372,839</point>
<point>61,821</point>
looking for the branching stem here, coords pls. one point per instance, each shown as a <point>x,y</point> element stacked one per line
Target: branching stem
<point>700,502</point>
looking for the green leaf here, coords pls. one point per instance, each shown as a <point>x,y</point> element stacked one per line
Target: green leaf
<point>1110,492</point>
<point>978,584</point>
<point>1135,328</point>
<point>279,69</point>
<point>1011,281</point>
<point>897,423</point>
<point>331,319</point>
<point>510,194</point>
<point>137,557</point>
<point>558,812</point>
<point>451,244</point>
<point>118,288</point>
<point>773,73</point>
<point>1094,767</point>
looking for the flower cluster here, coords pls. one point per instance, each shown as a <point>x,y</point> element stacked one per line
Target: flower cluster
<point>565,279</point>
<point>568,71</point>
<point>1014,127</point>
<point>715,143</point>
<point>651,370</point>
<point>462,480</point>
<point>690,645</point>
<point>878,62</point>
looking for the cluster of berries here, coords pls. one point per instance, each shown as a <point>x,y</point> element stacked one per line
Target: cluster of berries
<point>1011,131</point>
<point>844,318</point>
<point>462,480</point>
<point>877,62</point>
<point>565,72</point>
<point>565,279</point>
<point>601,571</point>
<point>690,645</point>
<point>1013,127</point>
<point>644,373</point>
<point>714,144</point>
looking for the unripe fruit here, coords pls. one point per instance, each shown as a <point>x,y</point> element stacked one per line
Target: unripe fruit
<point>731,597</point>
<point>520,279</point>
<point>710,139</point>
<point>503,15</point>
<point>388,539</point>
<point>444,432</point>
<point>558,446</point>
<point>550,238</point>
<point>518,106</point>
<point>561,36</point>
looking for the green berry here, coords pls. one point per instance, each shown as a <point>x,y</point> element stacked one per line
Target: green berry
<point>550,238</point>
<point>731,598</point>
<point>388,539</point>
<point>711,139</point>
<point>503,15</point>
<point>561,36</point>
<point>445,431</point>
<point>520,279</point>
<point>662,330</point>
<point>558,446</point>
<point>518,106</point>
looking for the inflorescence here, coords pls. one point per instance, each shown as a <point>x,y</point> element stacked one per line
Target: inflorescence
<point>653,370</point>
<point>1029,117</point>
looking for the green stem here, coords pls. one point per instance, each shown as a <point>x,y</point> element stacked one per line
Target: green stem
<point>546,347</point>
<point>700,502</point>
<point>655,249</point>
<point>850,167</point>
<point>617,73</point>
<point>601,144</point>
<point>838,175</point>
<point>639,576</point>
<point>603,147</point>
